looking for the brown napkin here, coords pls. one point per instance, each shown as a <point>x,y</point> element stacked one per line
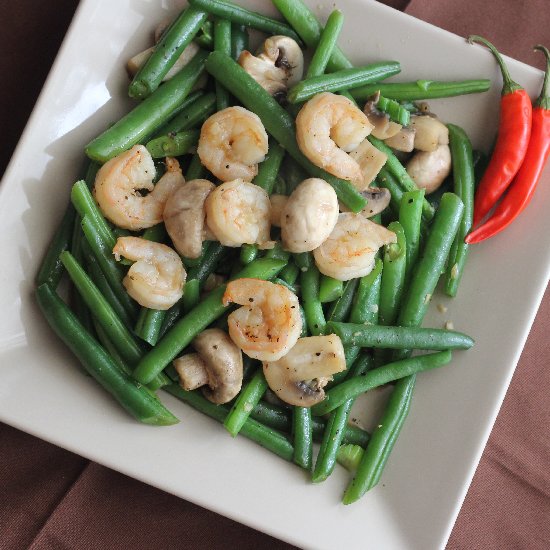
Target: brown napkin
<point>52,499</point>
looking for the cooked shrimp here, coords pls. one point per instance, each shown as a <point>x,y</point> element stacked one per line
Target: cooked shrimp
<point>350,250</point>
<point>157,277</point>
<point>119,183</point>
<point>232,143</point>
<point>239,212</point>
<point>328,127</point>
<point>269,323</point>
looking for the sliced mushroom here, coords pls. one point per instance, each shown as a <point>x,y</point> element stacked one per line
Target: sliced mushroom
<point>184,216</point>
<point>429,170</point>
<point>370,160</point>
<point>137,61</point>
<point>378,200</point>
<point>299,377</point>
<point>430,132</point>
<point>403,140</point>
<point>309,215</point>
<point>192,371</point>
<point>384,128</point>
<point>279,66</point>
<point>218,363</point>
<point>277,204</point>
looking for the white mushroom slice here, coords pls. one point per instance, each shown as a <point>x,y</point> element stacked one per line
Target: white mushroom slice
<point>370,160</point>
<point>429,170</point>
<point>403,140</point>
<point>136,62</point>
<point>298,378</point>
<point>184,216</point>
<point>430,133</point>
<point>238,212</point>
<point>384,128</point>
<point>309,215</point>
<point>378,200</point>
<point>350,250</point>
<point>279,66</point>
<point>192,371</point>
<point>224,364</point>
<point>277,204</point>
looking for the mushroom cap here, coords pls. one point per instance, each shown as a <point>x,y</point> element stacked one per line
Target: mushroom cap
<point>298,378</point>
<point>309,215</point>
<point>224,363</point>
<point>184,216</point>
<point>429,170</point>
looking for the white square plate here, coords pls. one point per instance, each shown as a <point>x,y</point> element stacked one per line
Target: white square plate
<point>42,392</point>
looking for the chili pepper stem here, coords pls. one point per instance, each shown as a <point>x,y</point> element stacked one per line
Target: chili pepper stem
<point>509,85</point>
<point>543,101</point>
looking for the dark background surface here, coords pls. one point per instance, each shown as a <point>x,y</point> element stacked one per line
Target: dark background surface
<point>50,498</point>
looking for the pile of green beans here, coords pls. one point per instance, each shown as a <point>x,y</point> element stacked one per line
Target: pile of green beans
<point>377,317</point>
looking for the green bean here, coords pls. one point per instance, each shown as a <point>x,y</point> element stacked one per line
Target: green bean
<point>102,310</point>
<point>108,265</point>
<point>136,399</point>
<point>191,295</point>
<point>279,188</point>
<point>173,145</point>
<point>334,431</point>
<point>246,400</point>
<point>326,45</point>
<point>157,233</point>
<point>432,261</point>
<point>276,121</point>
<point>345,93</point>
<point>97,276</point>
<point>222,43</point>
<point>149,324</point>
<point>175,123</point>
<point>148,115</point>
<point>51,268</point>
<point>205,37</point>
<point>390,337</point>
<point>393,276</point>
<point>302,430</point>
<point>309,283</point>
<point>86,206</point>
<point>330,289</point>
<point>172,315</point>
<point>280,418</point>
<point>248,254</point>
<point>394,110</point>
<point>386,179</point>
<point>410,218</point>
<point>208,264</point>
<point>278,252</point>
<point>395,167</point>
<point>365,304</point>
<point>349,456</point>
<point>376,455</point>
<point>306,25</point>
<point>269,168</point>
<point>464,183</point>
<point>166,52</point>
<point>252,429</point>
<point>239,40</point>
<point>195,169</point>
<point>292,288</point>
<point>242,16</point>
<point>422,89</point>
<point>340,309</point>
<point>290,273</point>
<point>346,79</point>
<point>202,315</point>
<point>303,260</point>
<point>378,377</point>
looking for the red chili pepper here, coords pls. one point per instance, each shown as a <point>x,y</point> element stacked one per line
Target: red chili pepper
<point>522,189</point>
<point>513,137</point>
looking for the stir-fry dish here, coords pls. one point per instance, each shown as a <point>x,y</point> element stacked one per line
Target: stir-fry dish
<point>261,237</point>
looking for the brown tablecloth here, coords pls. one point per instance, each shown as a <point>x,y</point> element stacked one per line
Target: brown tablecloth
<point>53,499</point>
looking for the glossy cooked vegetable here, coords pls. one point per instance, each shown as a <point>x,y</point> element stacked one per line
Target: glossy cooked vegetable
<point>134,397</point>
<point>302,429</point>
<point>410,218</point>
<point>512,139</point>
<point>327,43</point>
<point>222,43</point>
